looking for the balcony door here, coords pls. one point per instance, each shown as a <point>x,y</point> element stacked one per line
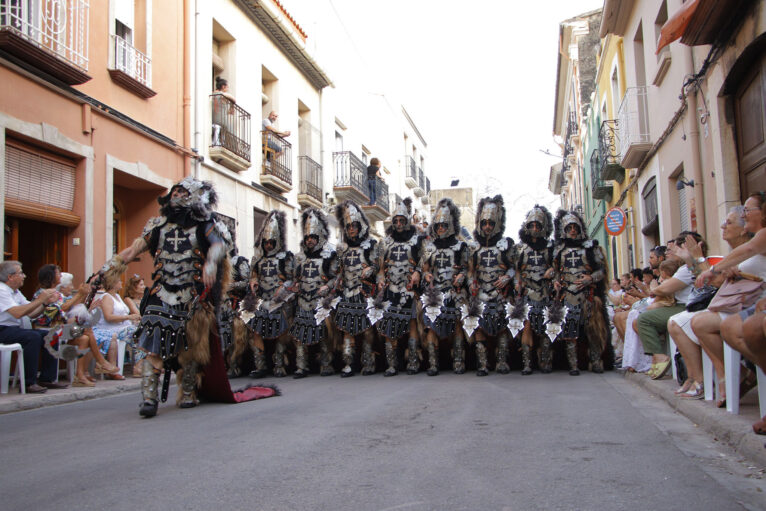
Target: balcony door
<point>750,112</point>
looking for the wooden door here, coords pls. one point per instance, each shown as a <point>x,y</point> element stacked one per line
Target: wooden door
<point>750,112</point>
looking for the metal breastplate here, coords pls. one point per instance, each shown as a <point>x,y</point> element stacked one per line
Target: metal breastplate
<point>444,262</point>
<point>178,264</point>
<point>399,263</point>
<point>574,265</point>
<point>240,278</point>
<point>268,277</point>
<point>489,268</point>
<point>534,264</point>
<point>312,277</point>
<point>353,265</point>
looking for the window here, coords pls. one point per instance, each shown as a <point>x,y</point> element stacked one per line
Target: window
<point>662,17</point>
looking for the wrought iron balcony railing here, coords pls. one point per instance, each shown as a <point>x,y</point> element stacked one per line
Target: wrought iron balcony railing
<point>599,187</point>
<point>230,127</point>
<point>350,172</point>
<point>277,156</point>
<point>410,172</point>
<point>635,139</point>
<point>608,156</point>
<point>311,177</point>
<point>381,194</point>
<point>573,127</point>
<point>132,62</point>
<point>428,186</point>
<point>49,28</point>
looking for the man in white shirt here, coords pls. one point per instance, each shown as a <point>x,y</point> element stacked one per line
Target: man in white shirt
<point>15,310</point>
<point>268,125</point>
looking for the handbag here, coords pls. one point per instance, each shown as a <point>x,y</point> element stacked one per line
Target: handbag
<point>735,295</point>
<point>700,298</point>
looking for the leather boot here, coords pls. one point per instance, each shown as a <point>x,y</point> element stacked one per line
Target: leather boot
<point>301,361</point>
<point>546,360</point>
<point>279,360</point>
<point>433,361</point>
<point>325,361</point>
<point>150,379</point>
<point>502,366</point>
<point>413,361</point>
<point>458,356</point>
<point>481,359</point>
<point>594,349</point>
<point>259,361</point>
<point>526,361</point>
<point>391,359</point>
<point>189,386</point>
<point>348,359</point>
<point>368,359</point>
<point>572,358</point>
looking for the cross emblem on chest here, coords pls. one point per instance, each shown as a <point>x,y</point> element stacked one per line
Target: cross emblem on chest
<point>488,259</point>
<point>442,260</point>
<point>535,259</point>
<point>352,258</point>
<point>310,270</point>
<point>175,240</point>
<point>399,253</point>
<point>572,260</point>
<point>269,269</point>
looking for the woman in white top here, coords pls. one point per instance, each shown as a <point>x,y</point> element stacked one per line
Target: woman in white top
<point>751,258</point>
<point>680,327</point>
<point>117,321</point>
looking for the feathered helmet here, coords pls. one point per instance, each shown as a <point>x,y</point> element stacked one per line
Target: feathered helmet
<point>403,209</point>
<point>493,209</point>
<point>201,200</point>
<point>314,222</point>
<point>349,212</point>
<point>541,215</point>
<point>566,218</point>
<point>445,213</point>
<point>274,228</point>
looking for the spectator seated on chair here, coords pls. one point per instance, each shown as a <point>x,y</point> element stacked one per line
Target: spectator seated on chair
<point>748,262</point>
<point>134,291</point>
<point>16,313</point>
<point>117,322</point>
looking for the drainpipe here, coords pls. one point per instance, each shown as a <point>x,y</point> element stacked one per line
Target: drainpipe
<point>196,91</point>
<point>696,150</point>
<point>187,88</point>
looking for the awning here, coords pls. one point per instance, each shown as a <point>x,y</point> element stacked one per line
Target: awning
<point>698,22</point>
<point>675,27</point>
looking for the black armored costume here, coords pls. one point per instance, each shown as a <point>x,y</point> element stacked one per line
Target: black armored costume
<point>491,273</point>
<point>358,265</point>
<point>316,271</point>
<point>232,329</point>
<point>579,266</point>
<point>534,256</point>
<point>271,273</point>
<point>399,278</point>
<point>444,264</point>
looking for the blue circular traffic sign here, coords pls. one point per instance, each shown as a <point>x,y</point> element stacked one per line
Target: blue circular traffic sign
<point>615,221</point>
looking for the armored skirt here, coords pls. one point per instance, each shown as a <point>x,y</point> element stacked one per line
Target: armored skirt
<point>493,320</point>
<point>396,319</point>
<point>162,330</point>
<point>446,322</point>
<point>351,315</point>
<point>269,325</point>
<point>305,329</point>
<point>536,315</point>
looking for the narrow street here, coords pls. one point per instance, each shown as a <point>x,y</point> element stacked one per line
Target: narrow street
<point>369,443</point>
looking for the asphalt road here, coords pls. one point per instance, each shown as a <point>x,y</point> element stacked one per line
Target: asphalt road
<point>371,443</point>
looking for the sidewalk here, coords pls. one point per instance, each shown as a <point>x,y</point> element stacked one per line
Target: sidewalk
<point>15,402</point>
<point>733,430</point>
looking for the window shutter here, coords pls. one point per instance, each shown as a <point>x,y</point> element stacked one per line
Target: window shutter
<point>35,178</point>
<point>684,207</point>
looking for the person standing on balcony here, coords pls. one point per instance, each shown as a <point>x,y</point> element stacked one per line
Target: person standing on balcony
<point>221,114</point>
<point>373,174</point>
<point>268,125</point>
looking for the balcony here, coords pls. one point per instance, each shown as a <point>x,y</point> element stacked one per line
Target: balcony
<point>350,178</point>
<point>599,187</point>
<point>410,172</point>
<point>573,127</point>
<point>276,170</point>
<point>229,134</point>
<point>633,117</point>
<point>424,199</point>
<point>132,69</point>
<point>608,157</point>
<point>379,211</point>
<point>51,35</point>
<point>419,189</point>
<point>310,186</point>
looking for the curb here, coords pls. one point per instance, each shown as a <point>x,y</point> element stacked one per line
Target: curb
<point>20,402</point>
<point>734,430</point>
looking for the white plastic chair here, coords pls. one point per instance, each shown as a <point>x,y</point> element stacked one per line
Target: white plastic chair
<point>732,363</point>
<point>761,390</point>
<point>6,353</point>
<point>121,354</point>
<point>708,376</point>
